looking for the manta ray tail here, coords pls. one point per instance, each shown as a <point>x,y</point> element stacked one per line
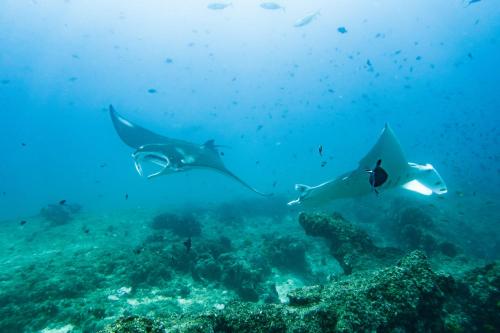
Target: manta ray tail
<point>239,180</point>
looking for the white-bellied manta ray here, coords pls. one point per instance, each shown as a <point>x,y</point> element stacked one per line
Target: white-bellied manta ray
<point>171,155</point>
<point>384,167</point>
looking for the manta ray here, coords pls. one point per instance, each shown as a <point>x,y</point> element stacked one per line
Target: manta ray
<point>170,155</point>
<point>384,167</point>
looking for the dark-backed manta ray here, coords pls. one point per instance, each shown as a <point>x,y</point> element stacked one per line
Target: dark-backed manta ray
<point>384,167</point>
<point>171,155</point>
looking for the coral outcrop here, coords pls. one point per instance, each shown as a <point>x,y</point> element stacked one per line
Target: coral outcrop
<point>351,246</point>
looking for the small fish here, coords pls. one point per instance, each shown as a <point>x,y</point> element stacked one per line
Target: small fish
<point>259,127</point>
<point>23,222</point>
<point>306,19</point>
<point>169,60</point>
<point>152,91</point>
<point>218,5</point>
<point>23,144</point>
<point>323,163</point>
<point>221,153</point>
<point>320,150</point>
<point>275,183</point>
<point>187,243</point>
<point>342,30</point>
<point>126,196</point>
<point>85,229</point>
<point>271,6</point>
<point>62,202</point>
<point>470,2</point>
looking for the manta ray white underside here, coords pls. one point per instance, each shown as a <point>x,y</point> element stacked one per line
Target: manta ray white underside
<point>423,179</point>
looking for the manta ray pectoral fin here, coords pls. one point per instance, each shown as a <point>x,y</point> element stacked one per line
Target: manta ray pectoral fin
<point>134,135</point>
<point>426,180</point>
<point>416,186</point>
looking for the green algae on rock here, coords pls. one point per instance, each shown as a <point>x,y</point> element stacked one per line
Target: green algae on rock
<point>351,246</point>
<point>404,297</point>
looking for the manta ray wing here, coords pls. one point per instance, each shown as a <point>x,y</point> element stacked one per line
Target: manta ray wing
<point>421,179</point>
<point>134,135</point>
<point>183,155</point>
<point>389,151</point>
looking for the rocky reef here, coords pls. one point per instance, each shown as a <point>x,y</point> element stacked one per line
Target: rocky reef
<point>406,297</point>
<point>350,245</point>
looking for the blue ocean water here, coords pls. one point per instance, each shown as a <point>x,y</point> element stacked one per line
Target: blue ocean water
<point>249,79</point>
<point>267,89</point>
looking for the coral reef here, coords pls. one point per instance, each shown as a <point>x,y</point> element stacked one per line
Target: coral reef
<point>407,297</point>
<point>286,252</point>
<point>414,229</point>
<point>351,246</point>
<point>184,225</point>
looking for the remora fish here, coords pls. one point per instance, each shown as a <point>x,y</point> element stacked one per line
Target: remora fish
<point>397,172</point>
<point>171,155</point>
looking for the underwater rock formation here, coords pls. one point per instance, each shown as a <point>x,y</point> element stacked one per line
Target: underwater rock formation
<point>59,214</point>
<point>475,302</point>
<point>351,246</point>
<point>287,253</point>
<point>414,229</point>
<point>185,225</point>
<point>407,297</point>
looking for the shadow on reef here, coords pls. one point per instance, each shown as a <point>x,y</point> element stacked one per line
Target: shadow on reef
<point>406,297</point>
<point>61,213</point>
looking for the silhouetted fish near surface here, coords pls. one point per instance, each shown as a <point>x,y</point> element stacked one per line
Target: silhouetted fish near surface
<point>187,244</point>
<point>218,5</point>
<point>342,30</point>
<point>470,2</point>
<point>152,91</point>
<point>23,222</point>
<point>62,202</point>
<point>126,196</point>
<point>271,6</point>
<point>306,19</point>
<point>320,150</point>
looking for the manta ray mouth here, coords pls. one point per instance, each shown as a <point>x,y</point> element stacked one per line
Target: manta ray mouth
<point>150,163</point>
